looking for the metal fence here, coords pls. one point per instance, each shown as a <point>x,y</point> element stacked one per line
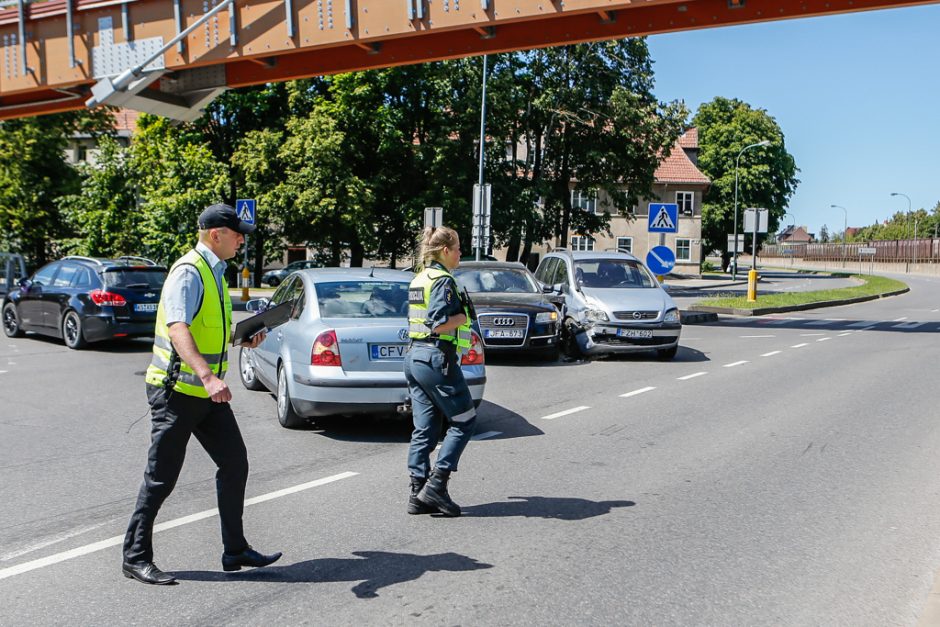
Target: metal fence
<point>919,250</point>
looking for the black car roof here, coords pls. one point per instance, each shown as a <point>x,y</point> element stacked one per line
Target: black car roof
<point>105,263</point>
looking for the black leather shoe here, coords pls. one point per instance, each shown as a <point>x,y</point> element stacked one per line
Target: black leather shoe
<point>248,557</point>
<point>147,572</point>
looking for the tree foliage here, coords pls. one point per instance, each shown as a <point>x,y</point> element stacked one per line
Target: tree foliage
<point>766,175</point>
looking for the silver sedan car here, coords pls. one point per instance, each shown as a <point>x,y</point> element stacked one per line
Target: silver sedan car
<point>342,350</point>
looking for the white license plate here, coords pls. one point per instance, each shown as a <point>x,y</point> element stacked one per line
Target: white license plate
<point>504,333</point>
<point>145,307</point>
<point>634,333</point>
<point>388,352</point>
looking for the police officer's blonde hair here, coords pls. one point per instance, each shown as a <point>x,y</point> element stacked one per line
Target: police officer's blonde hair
<point>434,239</point>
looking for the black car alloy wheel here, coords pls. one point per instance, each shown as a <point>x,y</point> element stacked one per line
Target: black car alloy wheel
<point>72,331</point>
<point>11,323</point>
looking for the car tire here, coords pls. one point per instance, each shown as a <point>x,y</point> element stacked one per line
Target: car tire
<point>11,321</point>
<point>667,354</point>
<point>567,343</point>
<point>246,369</point>
<point>286,415</point>
<point>73,331</point>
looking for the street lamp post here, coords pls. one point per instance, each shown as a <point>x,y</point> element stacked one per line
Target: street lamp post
<point>734,267</point>
<point>915,220</point>
<point>845,227</point>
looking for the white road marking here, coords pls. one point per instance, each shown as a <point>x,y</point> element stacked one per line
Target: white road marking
<point>863,323</point>
<point>799,345</point>
<point>823,339</point>
<point>844,334</point>
<point>735,363</point>
<point>170,524</point>
<point>486,435</point>
<point>4,371</point>
<point>691,376</point>
<point>811,334</point>
<point>635,392</point>
<point>934,310</point>
<point>42,545</point>
<point>771,354</point>
<point>750,336</point>
<point>567,412</point>
<point>908,325</point>
<point>899,319</point>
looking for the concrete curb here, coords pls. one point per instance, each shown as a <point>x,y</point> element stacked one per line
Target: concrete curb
<point>761,311</point>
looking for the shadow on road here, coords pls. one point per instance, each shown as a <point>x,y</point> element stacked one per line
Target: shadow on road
<point>373,569</point>
<point>545,507</point>
<point>491,417</point>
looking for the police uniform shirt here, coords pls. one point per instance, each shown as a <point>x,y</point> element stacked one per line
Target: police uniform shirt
<point>183,291</point>
<point>445,300</point>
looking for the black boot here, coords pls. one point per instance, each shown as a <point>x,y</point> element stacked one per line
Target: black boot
<point>434,493</point>
<point>414,505</point>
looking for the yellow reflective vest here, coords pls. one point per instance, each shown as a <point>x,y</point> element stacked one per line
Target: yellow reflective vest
<point>211,330</point>
<point>419,299</point>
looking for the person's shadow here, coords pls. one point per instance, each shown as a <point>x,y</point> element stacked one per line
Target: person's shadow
<point>375,569</point>
<point>545,507</point>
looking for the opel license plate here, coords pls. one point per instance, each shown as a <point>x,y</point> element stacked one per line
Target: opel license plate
<point>636,333</point>
<point>388,352</point>
<point>143,307</point>
<point>504,333</point>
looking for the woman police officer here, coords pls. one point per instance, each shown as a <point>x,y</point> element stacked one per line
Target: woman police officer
<point>439,328</point>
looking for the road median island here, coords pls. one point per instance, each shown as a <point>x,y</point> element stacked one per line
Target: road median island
<point>872,287</point>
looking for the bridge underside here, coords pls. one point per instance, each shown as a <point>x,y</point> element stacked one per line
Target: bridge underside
<point>61,55</point>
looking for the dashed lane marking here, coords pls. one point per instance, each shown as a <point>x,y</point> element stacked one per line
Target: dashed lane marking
<point>811,334</point>
<point>170,524</point>
<point>844,334</point>
<point>908,325</point>
<point>752,336</point>
<point>823,339</point>
<point>566,412</point>
<point>902,318</point>
<point>691,376</point>
<point>771,354</point>
<point>862,323</point>
<point>735,363</point>
<point>799,345</point>
<point>635,392</point>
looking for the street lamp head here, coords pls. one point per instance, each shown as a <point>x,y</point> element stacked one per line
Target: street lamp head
<point>895,194</point>
<point>763,143</point>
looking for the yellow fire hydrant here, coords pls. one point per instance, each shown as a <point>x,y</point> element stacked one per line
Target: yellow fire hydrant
<point>245,276</point>
<point>752,285</point>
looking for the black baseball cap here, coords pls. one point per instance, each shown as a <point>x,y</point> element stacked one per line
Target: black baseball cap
<point>222,215</point>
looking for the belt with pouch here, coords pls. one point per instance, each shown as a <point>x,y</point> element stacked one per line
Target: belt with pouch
<point>444,345</point>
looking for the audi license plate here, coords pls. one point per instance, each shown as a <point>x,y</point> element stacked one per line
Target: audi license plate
<point>388,352</point>
<point>513,334</point>
<point>634,333</point>
<point>145,307</point>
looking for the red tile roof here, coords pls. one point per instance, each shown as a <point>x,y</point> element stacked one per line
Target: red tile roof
<point>126,120</point>
<point>689,139</point>
<point>677,168</point>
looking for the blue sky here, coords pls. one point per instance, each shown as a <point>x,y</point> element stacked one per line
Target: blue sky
<point>857,97</point>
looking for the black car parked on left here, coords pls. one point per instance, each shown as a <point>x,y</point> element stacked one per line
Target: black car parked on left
<point>85,299</point>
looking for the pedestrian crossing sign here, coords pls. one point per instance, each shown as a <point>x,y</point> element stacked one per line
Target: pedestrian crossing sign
<point>245,208</point>
<point>663,218</point>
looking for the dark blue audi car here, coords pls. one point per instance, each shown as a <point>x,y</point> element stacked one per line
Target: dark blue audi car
<point>513,313</point>
<point>85,299</point>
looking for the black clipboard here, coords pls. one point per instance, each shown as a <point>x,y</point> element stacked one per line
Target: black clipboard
<point>262,321</point>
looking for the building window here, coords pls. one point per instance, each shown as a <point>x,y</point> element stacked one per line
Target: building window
<point>582,243</point>
<point>684,200</point>
<point>81,155</point>
<point>586,201</point>
<point>683,249</point>
<point>625,243</point>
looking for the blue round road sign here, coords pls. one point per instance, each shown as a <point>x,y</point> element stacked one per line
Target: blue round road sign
<point>661,260</point>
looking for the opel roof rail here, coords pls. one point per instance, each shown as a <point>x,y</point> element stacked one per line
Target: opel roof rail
<point>84,258</point>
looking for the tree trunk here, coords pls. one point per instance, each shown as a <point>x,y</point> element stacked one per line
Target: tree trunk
<point>357,252</point>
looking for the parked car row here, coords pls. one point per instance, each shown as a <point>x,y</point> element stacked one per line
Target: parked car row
<point>341,351</point>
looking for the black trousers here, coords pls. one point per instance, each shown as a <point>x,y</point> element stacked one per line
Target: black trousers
<point>172,423</point>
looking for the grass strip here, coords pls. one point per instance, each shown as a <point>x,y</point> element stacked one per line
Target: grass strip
<point>872,286</point>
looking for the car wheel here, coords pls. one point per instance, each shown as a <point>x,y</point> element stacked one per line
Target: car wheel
<point>72,331</point>
<point>285,410</point>
<point>568,343</point>
<point>666,354</point>
<point>11,322</point>
<point>246,367</point>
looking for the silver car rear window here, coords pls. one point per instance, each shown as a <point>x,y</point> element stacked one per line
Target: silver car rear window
<point>362,299</point>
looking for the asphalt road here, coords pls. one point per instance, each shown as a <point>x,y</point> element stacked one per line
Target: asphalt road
<point>781,471</point>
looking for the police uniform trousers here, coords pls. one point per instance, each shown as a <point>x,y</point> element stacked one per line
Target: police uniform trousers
<point>173,421</point>
<point>439,396</point>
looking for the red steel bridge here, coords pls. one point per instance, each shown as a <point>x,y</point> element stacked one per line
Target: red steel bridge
<point>172,57</point>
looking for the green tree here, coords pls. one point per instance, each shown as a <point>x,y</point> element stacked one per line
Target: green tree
<point>766,175</point>
<point>824,234</point>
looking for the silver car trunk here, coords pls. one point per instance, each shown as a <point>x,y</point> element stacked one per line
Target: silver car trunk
<point>371,345</point>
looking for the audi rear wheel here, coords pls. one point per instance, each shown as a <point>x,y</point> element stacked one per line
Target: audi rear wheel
<point>11,322</point>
